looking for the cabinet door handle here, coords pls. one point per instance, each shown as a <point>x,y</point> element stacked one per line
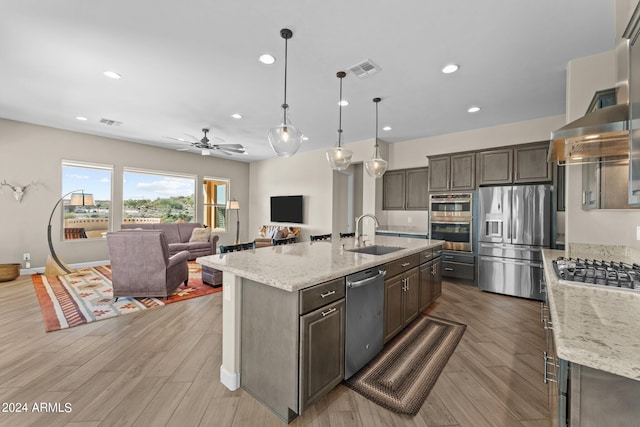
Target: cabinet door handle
<point>404,264</point>
<point>328,312</point>
<point>433,270</point>
<point>448,269</point>
<point>448,257</point>
<point>327,294</point>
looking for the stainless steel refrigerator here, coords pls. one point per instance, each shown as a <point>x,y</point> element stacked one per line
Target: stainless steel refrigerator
<point>514,224</point>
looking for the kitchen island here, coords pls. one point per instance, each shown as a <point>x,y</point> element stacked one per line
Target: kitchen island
<point>263,296</point>
<point>593,330</point>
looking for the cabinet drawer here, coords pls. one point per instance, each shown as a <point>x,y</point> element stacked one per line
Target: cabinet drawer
<point>322,294</point>
<point>402,264</point>
<point>458,257</point>
<point>426,256</point>
<point>458,270</point>
<point>437,251</point>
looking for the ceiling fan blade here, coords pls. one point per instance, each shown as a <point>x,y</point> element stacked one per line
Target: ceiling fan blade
<point>218,138</point>
<point>225,152</point>
<point>176,139</point>
<point>192,137</point>
<point>183,149</point>
<point>232,146</point>
<point>205,152</point>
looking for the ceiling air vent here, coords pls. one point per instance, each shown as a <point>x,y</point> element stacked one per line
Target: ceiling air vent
<point>365,69</point>
<point>110,122</point>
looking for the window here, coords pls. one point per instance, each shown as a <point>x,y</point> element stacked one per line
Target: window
<point>157,197</point>
<point>87,200</point>
<point>216,193</point>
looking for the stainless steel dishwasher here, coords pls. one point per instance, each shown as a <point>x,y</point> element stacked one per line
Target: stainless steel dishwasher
<point>365,323</point>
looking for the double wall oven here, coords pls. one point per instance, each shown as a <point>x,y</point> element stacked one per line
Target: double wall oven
<point>451,217</point>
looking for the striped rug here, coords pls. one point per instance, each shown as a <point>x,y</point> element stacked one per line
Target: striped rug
<point>87,296</point>
<point>401,376</point>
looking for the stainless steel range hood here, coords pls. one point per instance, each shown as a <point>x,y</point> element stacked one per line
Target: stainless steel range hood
<point>601,132</point>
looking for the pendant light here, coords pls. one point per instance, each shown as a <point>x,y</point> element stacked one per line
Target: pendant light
<point>285,139</point>
<point>339,158</point>
<point>377,166</point>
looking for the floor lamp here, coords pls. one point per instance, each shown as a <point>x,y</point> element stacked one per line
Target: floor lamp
<point>234,205</point>
<point>55,266</point>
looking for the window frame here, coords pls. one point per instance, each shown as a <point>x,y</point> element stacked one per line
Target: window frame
<point>206,206</point>
<point>161,174</point>
<point>65,163</point>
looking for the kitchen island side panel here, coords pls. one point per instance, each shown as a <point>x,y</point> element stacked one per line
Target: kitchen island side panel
<point>269,347</point>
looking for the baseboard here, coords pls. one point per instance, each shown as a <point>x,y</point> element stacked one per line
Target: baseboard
<point>230,380</point>
<point>40,270</point>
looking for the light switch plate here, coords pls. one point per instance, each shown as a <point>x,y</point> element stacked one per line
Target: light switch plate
<point>638,232</point>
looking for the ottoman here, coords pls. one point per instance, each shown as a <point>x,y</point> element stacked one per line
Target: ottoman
<point>211,276</point>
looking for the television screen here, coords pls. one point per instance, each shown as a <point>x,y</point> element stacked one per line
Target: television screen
<point>286,209</point>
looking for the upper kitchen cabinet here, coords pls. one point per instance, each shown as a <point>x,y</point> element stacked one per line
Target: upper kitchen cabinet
<point>405,189</point>
<point>452,172</point>
<point>530,163</point>
<point>514,165</point>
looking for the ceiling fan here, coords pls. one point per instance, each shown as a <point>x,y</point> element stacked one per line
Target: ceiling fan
<point>206,148</point>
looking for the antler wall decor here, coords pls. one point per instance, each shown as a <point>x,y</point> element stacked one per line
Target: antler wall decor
<point>18,192</point>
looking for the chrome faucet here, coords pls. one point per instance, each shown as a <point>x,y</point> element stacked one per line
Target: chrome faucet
<point>358,232</point>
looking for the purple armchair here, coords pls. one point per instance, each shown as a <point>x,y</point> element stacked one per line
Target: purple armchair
<point>141,265</point>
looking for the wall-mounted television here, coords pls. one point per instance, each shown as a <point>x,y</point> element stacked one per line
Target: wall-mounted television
<point>286,209</point>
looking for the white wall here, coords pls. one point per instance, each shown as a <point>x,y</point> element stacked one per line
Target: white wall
<point>607,227</point>
<point>309,174</point>
<point>35,153</point>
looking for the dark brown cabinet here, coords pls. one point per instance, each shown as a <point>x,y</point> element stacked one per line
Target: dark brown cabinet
<point>452,172</point>
<point>401,301</point>
<point>530,163</point>
<point>495,167</point>
<point>430,278</point>
<point>322,335</point>
<point>518,164</point>
<point>406,189</point>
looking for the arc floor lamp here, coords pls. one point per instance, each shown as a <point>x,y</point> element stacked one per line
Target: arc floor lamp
<point>55,266</point>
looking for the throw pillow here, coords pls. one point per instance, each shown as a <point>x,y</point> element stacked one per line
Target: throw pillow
<point>200,235</point>
<point>280,234</point>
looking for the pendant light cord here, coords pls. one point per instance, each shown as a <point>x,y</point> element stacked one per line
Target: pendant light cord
<point>378,100</point>
<point>340,113</point>
<point>284,105</point>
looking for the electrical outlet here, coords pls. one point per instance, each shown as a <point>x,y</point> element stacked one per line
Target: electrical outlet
<point>409,219</point>
<point>638,232</point>
<point>26,256</point>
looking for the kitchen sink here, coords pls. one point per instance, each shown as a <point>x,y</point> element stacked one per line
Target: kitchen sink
<point>376,250</point>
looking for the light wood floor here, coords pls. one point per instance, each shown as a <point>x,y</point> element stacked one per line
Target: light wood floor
<point>161,368</point>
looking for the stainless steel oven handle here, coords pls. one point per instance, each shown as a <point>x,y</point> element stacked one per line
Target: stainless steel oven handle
<point>452,222</point>
<point>364,282</point>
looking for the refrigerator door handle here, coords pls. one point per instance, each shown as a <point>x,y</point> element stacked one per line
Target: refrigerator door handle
<point>512,261</point>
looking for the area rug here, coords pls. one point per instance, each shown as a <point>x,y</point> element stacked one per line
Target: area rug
<point>401,376</point>
<point>76,299</point>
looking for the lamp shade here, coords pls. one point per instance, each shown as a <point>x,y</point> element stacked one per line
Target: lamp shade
<point>285,139</point>
<point>376,167</point>
<point>81,199</point>
<point>339,158</point>
<point>233,205</point>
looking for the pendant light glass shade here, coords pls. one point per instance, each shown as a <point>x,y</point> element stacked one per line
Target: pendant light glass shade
<point>285,139</point>
<point>377,166</point>
<point>339,158</point>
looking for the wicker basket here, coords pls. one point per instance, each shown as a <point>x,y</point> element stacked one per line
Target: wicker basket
<point>9,272</point>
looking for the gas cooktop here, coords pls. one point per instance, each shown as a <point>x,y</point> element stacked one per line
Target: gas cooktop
<point>599,273</point>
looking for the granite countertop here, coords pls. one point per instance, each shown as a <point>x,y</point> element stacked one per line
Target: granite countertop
<point>594,326</point>
<point>297,266</point>
<point>404,229</point>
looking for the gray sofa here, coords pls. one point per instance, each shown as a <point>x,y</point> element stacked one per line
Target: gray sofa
<point>178,235</point>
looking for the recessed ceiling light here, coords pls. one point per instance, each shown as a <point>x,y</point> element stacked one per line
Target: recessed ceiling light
<point>267,59</point>
<point>343,103</point>
<point>112,75</point>
<point>236,116</point>
<point>450,68</point>
<point>305,138</point>
<point>386,128</point>
<point>473,109</point>
<point>81,118</point>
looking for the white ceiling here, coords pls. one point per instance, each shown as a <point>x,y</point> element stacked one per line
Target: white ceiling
<point>188,65</point>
